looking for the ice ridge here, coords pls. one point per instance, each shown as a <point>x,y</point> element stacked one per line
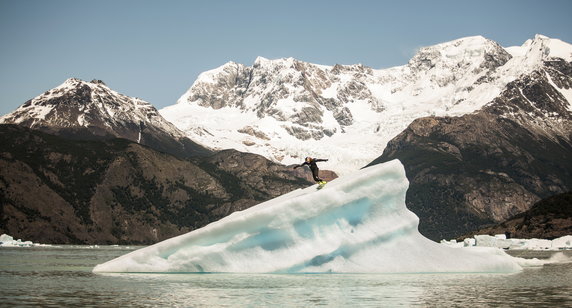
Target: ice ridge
<point>357,223</point>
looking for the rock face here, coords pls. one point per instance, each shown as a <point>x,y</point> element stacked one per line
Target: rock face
<point>485,167</point>
<point>286,109</point>
<point>57,190</point>
<point>549,218</point>
<point>91,110</point>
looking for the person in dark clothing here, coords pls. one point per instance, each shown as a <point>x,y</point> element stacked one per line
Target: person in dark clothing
<point>311,162</point>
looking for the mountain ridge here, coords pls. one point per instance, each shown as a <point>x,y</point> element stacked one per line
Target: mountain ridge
<point>346,113</point>
<point>308,109</point>
<point>84,164</point>
<point>115,191</point>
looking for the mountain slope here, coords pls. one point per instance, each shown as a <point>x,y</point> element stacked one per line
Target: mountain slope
<point>79,110</point>
<point>286,109</point>
<point>549,218</point>
<point>489,165</point>
<point>57,190</point>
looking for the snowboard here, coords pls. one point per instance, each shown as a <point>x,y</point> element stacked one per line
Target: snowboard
<point>321,184</point>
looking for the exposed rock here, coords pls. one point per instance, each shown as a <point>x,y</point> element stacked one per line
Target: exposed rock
<point>253,132</point>
<point>549,218</point>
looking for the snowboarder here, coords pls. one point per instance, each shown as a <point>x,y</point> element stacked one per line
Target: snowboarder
<point>311,162</point>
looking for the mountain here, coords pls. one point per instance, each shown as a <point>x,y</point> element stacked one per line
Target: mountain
<point>548,218</point>
<point>115,191</point>
<point>80,110</point>
<point>487,166</point>
<point>287,109</point>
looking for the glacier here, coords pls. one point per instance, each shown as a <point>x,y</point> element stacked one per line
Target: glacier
<point>356,224</point>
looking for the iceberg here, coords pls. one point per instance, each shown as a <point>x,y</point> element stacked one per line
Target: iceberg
<point>356,224</point>
<point>8,241</point>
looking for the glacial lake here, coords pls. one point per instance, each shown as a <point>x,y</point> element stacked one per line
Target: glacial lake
<point>60,276</point>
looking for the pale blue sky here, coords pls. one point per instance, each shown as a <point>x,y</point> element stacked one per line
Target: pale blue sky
<point>155,49</point>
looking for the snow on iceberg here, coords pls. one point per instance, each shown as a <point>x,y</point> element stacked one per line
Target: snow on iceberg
<point>357,223</point>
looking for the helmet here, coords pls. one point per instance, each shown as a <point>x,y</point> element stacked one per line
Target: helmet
<point>308,159</point>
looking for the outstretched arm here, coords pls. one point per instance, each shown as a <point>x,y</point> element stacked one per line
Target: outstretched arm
<point>320,159</point>
<point>301,165</point>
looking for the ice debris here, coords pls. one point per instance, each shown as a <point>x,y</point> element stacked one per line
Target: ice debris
<point>501,241</point>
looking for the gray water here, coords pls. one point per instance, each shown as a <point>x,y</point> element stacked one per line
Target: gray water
<point>61,277</point>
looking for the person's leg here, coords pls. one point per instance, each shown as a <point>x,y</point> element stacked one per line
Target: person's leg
<point>315,175</point>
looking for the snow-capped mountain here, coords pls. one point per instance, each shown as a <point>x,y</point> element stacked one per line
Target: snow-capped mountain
<point>481,168</point>
<point>91,109</point>
<point>287,109</point>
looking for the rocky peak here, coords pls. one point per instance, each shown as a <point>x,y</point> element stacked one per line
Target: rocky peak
<point>447,62</point>
<point>286,89</point>
<point>78,108</point>
<point>80,98</point>
<point>97,81</point>
<point>537,102</point>
<point>357,70</point>
<point>535,52</point>
<point>273,64</point>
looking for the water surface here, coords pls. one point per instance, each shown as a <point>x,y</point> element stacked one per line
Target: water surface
<point>62,277</point>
